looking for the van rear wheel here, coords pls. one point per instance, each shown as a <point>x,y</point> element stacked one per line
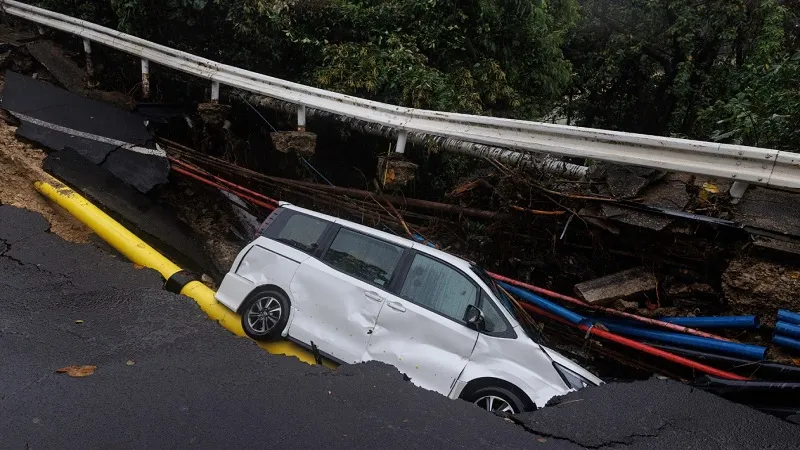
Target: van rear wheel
<point>265,314</point>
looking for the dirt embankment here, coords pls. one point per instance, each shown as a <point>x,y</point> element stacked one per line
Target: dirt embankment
<point>756,286</point>
<point>20,167</point>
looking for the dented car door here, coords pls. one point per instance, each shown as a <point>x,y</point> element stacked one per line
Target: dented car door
<point>338,296</point>
<point>421,330</point>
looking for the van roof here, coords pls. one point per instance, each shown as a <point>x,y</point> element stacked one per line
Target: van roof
<point>422,248</point>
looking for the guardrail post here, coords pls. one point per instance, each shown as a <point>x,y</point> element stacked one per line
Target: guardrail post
<point>738,188</point>
<point>301,118</point>
<point>402,136</point>
<point>87,49</point>
<point>145,78</point>
<point>214,91</point>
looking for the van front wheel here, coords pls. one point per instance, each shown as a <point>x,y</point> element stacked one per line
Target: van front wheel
<point>497,400</point>
<point>265,314</point>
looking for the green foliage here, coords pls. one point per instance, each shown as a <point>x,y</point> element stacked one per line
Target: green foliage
<point>652,65</point>
<point>763,112</point>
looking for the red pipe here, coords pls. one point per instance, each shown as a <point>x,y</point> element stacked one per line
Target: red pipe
<point>224,181</point>
<point>610,311</point>
<point>218,186</point>
<point>637,345</point>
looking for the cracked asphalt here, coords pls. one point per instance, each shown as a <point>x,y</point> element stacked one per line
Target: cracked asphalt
<point>168,377</point>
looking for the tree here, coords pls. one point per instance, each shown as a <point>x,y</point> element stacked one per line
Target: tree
<point>651,66</point>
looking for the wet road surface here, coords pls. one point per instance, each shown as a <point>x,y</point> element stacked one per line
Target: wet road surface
<point>167,377</point>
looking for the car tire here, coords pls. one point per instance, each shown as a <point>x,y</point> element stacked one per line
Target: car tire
<point>265,313</point>
<point>498,400</point>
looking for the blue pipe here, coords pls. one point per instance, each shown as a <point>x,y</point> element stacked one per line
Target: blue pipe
<point>544,304</point>
<point>715,322</point>
<point>747,351</point>
<point>784,315</point>
<point>784,341</point>
<point>788,330</point>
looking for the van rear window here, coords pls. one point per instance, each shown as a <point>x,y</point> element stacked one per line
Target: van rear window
<point>302,232</point>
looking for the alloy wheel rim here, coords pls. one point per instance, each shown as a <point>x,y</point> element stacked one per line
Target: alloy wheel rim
<point>264,314</point>
<point>493,403</point>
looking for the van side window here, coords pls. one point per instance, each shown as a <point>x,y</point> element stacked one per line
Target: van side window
<point>363,257</point>
<point>302,232</point>
<point>439,287</point>
<point>493,318</point>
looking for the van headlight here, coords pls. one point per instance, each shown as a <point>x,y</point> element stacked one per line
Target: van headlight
<point>572,379</point>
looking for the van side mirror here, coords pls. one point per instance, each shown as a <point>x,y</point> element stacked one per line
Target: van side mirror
<point>474,317</point>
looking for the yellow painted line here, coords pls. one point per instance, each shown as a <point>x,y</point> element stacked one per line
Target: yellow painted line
<point>139,252</point>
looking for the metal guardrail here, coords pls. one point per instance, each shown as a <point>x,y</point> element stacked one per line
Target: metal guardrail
<point>735,162</point>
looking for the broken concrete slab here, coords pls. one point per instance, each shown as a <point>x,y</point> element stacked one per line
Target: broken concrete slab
<point>213,114</point>
<point>628,181</point>
<point>157,226</point>
<point>58,64</point>
<point>394,171</point>
<point>104,134</point>
<point>669,193</point>
<point>605,290</point>
<point>304,143</point>
<point>771,210</point>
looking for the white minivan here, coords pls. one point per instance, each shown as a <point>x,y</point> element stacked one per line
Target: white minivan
<point>355,294</point>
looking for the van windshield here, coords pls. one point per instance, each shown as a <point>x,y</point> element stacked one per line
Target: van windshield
<point>507,303</point>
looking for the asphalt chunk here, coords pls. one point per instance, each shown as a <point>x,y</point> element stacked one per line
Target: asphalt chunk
<point>657,414</point>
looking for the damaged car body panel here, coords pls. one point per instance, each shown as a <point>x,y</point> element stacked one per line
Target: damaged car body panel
<point>356,294</point>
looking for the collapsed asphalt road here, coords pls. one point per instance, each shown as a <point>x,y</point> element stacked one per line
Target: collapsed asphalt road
<point>167,377</point>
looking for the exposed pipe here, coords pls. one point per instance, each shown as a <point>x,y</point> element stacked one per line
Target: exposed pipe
<point>715,322</point>
<point>788,330</point>
<point>226,182</point>
<point>599,332</point>
<point>784,315</point>
<point>249,198</point>
<point>752,352</point>
<point>762,369</point>
<point>750,386</point>
<point>552,308</point>
<point>610,311</point>
<point>787,342</point>
<point>506,156</point>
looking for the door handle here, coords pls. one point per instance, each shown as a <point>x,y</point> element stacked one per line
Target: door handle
<point>373,296</point>
<point>396,306</point>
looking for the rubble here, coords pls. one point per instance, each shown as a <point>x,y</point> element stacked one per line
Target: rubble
<point>214,114</point>
<point>605,290</point>
<point>395,172</point>
<point>303,143</point>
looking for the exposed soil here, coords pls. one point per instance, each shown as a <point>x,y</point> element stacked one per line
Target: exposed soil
<point>20,167</point>
<point>206,211</point>
<point>755,286</point>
